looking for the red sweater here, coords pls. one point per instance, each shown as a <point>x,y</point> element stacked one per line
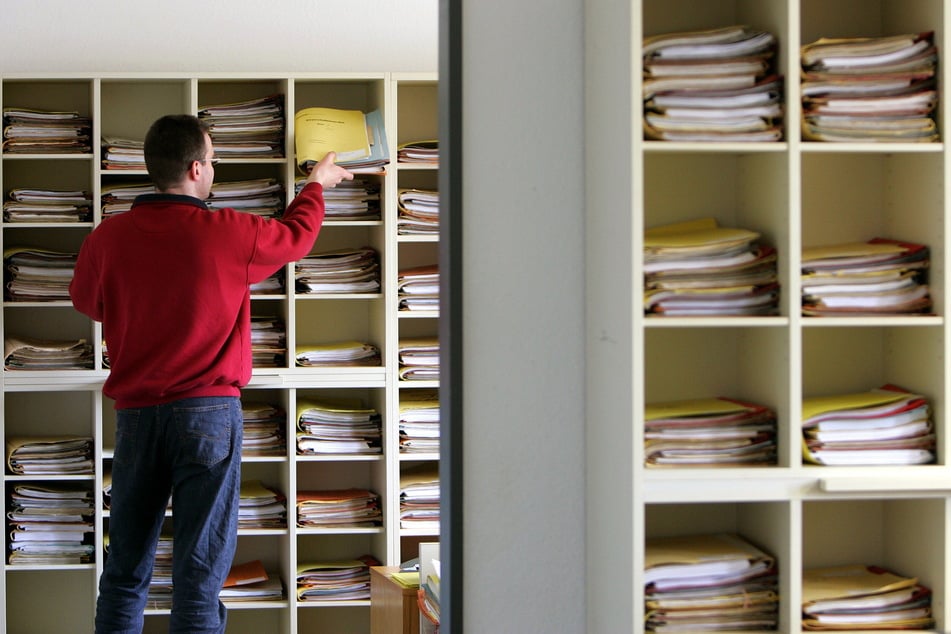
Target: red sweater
<point>169,281</point>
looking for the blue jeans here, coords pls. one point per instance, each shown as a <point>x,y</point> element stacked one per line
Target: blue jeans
<point>191,449</point>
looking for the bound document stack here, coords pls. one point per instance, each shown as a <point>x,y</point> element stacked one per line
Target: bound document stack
<point>250,581</point>
<point>418,288</point>
<point>117,199</point>
<point>358,139</point>
<point>48,205</point>
<point>50,525</point>
<point>27,353</point>
<point>418,212</point>
<point>28,131</point>
<point>710,432</point>
<point>419,359</point>
<point>339,271</point>
<point>870,89</point>
<point>261,196</point>
<point>247,129</point>
<point>860,597</point>
<point>358,199</point>
<point>881,276</point>
<point>268,342</point>
<point>122,154</point>
<point>700,268</point>
<point>38,275</point>
<point>888,425</point>
<point>342,580</point>
<point>419,497</point>
<point>264,425</point>
<point>354,508</point>
<point>261,507</point>
<point>338,427</point>
<point>705,583</point>
<point>344,353</point>
<point>713,85</point>
<point>423,152</point>
<point>49,455</point>
<point>419,422</point>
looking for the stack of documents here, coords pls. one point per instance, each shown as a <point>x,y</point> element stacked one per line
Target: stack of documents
<point>247,129</point>
<point>419,359</point>
<point>117,199</point>
<point>881,276</point>
<point>339,271</point>
<point>343,580</point>
<point>27,131</point>
<point>419,497</point>
<point>870,89</point>
<point>700,268</point>
<point>344,353</point>
<point>358,199</point>
<point>419,422</point>
<point>49,524</point>
<point>418,212</point>
<point>27,353</point>
<point>354,508</point>
<point>272,285</point>
<point>38,275</point>
<point>703,583</point>
<point>49,455</point>
<point>268,342</point>
<point>160,587</point>
<point>261,507</point>
<point>709,432</point>
<point>713,85</point>
<point>339,426</point>
<point>122,154</point>
<point>860,597</point>
<point>424,152</point>
<point>418,288</point>
<point>263,430</point>
<point>358,139</point>
<point>250,581</point>
<point>886,426</point>
<point>262,196</point>
<point>48,205</point>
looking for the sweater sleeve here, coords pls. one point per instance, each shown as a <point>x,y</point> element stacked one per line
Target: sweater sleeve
<point>290,237</point>
<point>85,289</point>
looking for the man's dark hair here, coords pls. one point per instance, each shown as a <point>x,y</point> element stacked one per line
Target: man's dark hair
<point>171,145</point>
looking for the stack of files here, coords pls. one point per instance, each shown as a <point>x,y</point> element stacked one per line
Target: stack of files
<point>424,152</point>
<point>358,139</point>
<point>419,497</point>
<point>261,196</point>
<point>418,212</point>
<point>263,430</point>
<point>38,275</point>
<point>419,422</point>
<point>250,581</point>
<point>709,432</point>
<point>342,580</point>
<point>700,268</point>
<point>49,524</point>
<point>418,288</point>
<point>870,89</point>
<point>885,426</point>
<point>160,587</point>
<point>49,455</point>
<point>877,277</point>
<point>27,131</point>
<point>122,154</point>
<point>268,342</point>
<point>419,359</point>
<point>261,507</point>
<point>344,353</point>
<point>117,199</point>
<point>272,285</point>
<point>47,205</point>
<point>358,199</point>
<point>339,271</point>
<point>27,353</point>
<point>247,129</point>
<point>338,508</point>
<point>339,426</point>
<point>861,597</point>
<point>712,85</point>
<point>704,583</point>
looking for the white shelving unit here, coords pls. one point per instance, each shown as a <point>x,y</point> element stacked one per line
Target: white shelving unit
<point>796,194</point>
<point>71,402</point>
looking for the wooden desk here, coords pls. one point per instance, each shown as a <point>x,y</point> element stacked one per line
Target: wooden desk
<point>393,608</point>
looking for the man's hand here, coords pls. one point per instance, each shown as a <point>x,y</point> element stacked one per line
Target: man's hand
<point>328,173</point>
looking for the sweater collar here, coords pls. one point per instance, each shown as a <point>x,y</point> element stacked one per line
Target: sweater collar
<point>180,199</point>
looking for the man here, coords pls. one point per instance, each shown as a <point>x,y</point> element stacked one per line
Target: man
<point>169,280</point>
